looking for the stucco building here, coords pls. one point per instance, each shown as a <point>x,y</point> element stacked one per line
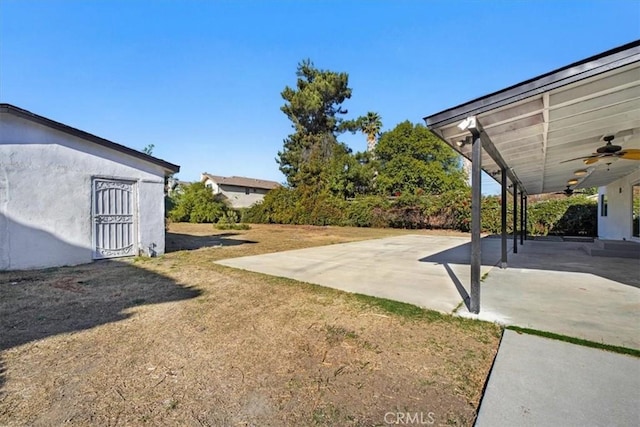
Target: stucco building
<point>68,197</point>
<point>238,191</point>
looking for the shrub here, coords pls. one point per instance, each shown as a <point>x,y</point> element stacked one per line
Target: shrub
<point>297,206</point>
<point>277,207</point>
<point>229,221</point>
<point>492,214</point>
<point>575,215</point>
<point>452,210</point>
<point>406,211</point>
<point>255,214</point>
<point>368,211</point>
<point>169,204</point>
<point>455,210</point>
<point>319,209</point>
<point>196,204</point>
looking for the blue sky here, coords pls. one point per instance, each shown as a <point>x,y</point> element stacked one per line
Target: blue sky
<point>201,80</point>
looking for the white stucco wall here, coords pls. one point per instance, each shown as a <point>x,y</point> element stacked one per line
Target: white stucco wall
<point>236,196</point>
<point>617,224</point>
<point>212,185</point>
<point>239,199</point>
<point>45,195</point>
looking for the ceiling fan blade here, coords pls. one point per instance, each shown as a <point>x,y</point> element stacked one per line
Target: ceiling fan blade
<point>630,154</point>
<point>578,158</point>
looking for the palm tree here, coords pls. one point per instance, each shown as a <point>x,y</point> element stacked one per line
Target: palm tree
<point>370,126</point>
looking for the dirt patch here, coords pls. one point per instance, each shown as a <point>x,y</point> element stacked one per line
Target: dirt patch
<point>179,340</point>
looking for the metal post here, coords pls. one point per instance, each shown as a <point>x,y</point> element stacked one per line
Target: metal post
<point>476,222</point>
<point>503,217</point>
<point>515,217</point>
<point>526,226</point>
<point>521,218</point>
<point>526,219</point>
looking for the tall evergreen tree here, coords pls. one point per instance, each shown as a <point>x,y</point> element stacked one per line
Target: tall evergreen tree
<point>314,107</point>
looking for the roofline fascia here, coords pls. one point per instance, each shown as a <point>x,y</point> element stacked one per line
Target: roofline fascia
<point>592,66</point>
<point>510,174</point>
<point>204,176</point>
<point>19,112</point>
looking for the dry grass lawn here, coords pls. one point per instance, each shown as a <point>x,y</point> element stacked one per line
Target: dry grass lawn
<point>179,340</point>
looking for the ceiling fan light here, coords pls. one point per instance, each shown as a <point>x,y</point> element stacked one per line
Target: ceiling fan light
<point>580,172</point>
<point>572,182</point>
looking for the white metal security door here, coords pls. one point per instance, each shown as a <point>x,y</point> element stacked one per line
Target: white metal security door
<point>114,218</point>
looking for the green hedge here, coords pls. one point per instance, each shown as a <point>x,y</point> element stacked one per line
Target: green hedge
<point>567,216</point>
<point>286,206</point>
<point>368,211</point>
<point>571,216</point>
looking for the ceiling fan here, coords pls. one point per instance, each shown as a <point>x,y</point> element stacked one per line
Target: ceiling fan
<point>609,150</point>
<point>569,191</point>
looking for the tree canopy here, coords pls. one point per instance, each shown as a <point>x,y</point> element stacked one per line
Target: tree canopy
<point>370,125</point>
<point>148,149</point>
<point>314,107</point>
<point>413,160</point>
<point>196,203</point>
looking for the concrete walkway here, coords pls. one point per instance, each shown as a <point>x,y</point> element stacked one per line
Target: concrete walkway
<point>541,382</point>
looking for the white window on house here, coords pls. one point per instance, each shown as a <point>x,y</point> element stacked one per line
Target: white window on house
<point>247,190</point>
<point>604,207</point>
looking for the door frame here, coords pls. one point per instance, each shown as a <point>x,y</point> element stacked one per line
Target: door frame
<point>134,202</point>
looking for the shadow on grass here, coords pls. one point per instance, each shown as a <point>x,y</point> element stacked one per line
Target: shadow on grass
<point>181,242</point>
<point>37,304</point>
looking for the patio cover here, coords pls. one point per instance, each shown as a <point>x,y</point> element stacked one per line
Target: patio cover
<point>536,125</point>
<point>535,132</point>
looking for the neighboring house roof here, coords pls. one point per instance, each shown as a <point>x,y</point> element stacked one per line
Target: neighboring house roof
<point>241,181</point>
<point>19,112</point>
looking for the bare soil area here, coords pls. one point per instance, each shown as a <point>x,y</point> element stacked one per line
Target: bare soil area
<point>179,340</point>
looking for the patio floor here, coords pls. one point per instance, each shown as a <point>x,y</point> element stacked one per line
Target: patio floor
<point>551,286</point>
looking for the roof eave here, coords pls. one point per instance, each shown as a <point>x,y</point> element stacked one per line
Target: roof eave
<point>222,180</point>
<point>577,71</point>
<point>19,112</point>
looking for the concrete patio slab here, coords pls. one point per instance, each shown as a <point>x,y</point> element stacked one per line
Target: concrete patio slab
<point>388,268</point>
<point>551,286</point>
<point>541,382</point>
<point>557,287</point>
